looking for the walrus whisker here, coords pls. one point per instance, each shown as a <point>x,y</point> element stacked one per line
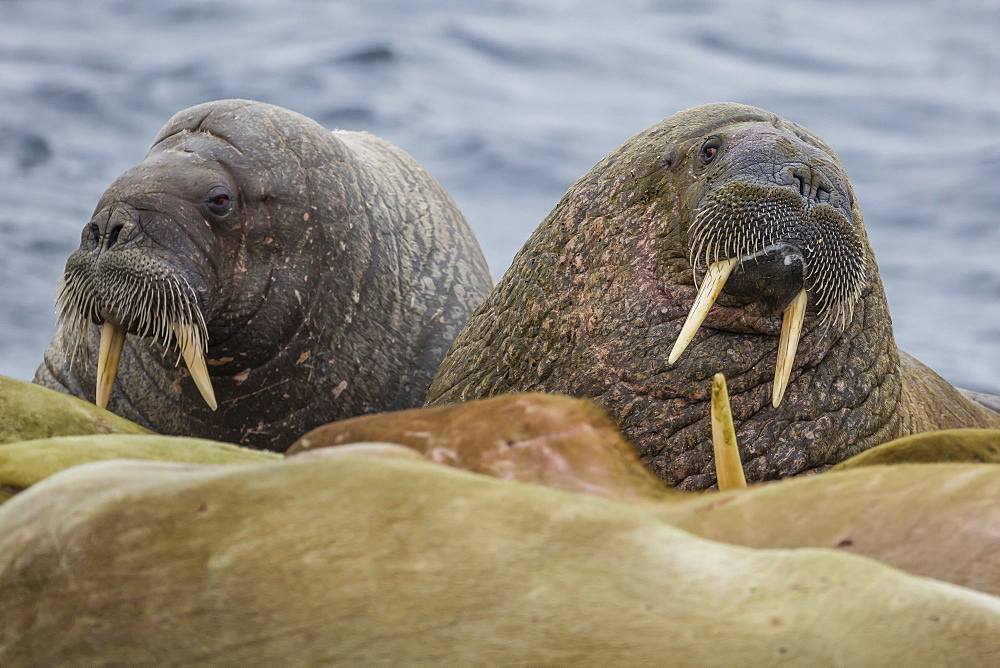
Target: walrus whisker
<point>77,307</point>
<point>163,309</point>
<point>788,343</point>
<point>728,465</point>
<point>713,282</point>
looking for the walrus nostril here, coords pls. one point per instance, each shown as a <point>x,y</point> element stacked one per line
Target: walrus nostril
<point>812,185</point>
<point>801,183</point>
<point>113,235</point>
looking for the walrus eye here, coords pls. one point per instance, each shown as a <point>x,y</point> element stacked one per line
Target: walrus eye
<point>219,200</point>
<point>710,148</point>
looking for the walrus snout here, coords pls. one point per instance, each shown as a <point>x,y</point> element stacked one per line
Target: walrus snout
<point>768,281</point>
<point>777,158</point>
<point>110,229</point>
<point>120,284</point>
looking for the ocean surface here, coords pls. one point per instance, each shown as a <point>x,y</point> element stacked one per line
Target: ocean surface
<point>508,102</point>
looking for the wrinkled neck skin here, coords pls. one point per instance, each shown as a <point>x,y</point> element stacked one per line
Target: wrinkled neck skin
<point>593,303</point>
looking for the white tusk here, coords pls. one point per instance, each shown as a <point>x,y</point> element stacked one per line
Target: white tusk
<point>715,279</point>
<point>194,358</point>
<point>791,329</point>
<point>728,465</point>
<point>112,342</point>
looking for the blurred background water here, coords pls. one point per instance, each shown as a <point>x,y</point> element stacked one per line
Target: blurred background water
<point>508,102</point>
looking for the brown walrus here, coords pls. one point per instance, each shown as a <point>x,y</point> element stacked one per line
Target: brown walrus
<point>721,201</point>
<point>545,439</point>
<point>302,275</point>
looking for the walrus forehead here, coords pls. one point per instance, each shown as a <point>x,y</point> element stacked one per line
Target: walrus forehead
<point>200,150</point>
<point>697,122</point>
<point>266,136</point>
<point>707,118</point>
<point>168,174</point>
<point>748,143</point>
<point>261,165</point>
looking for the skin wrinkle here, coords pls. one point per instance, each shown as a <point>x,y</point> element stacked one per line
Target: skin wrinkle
<point>212,114</point>
<point>388,244</point>
<point>427,243</point>
<point>261,298</point>
<point>227,298</point>
<point>141,362</point>
<point>301,333</point>
<point>303,169</point>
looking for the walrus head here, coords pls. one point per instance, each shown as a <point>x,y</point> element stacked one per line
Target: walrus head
<point>141,271</point>
<point>772,226</point>
<point>176,247</point>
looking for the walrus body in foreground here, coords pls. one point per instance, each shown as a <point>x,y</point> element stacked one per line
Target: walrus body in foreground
<point>302,275</point>
<point>725,201</point>
<point>146,562</point>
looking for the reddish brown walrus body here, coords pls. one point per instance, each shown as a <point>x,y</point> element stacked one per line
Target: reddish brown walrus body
<point>593,303</point>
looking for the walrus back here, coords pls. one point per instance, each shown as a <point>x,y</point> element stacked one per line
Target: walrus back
<point>427,248</point>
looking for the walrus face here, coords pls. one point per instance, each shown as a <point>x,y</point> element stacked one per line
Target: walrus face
<point>141,271</point>
<point>772,227</point>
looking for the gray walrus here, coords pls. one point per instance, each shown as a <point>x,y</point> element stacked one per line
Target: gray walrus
<point>734,234</point>
<point>302,275</point>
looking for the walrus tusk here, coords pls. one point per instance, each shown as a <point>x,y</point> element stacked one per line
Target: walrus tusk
<point>715,279</point>
<point>112,342</point>
<point>791,329</point>
<point>194,358</point>
<point>728,465</point>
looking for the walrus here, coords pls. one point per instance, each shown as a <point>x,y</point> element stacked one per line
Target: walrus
<point>931,519</point>
<point>301,275</point>
<point>357,558</point>
<point>723,239</point>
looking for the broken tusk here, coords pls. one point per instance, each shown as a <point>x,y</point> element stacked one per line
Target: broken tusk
<point>715,279</point>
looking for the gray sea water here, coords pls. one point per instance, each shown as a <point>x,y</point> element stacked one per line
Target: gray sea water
<point>508,102</point>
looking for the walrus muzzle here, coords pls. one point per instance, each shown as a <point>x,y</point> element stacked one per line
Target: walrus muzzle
<point>130,291</point>
<point>789,251</point>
